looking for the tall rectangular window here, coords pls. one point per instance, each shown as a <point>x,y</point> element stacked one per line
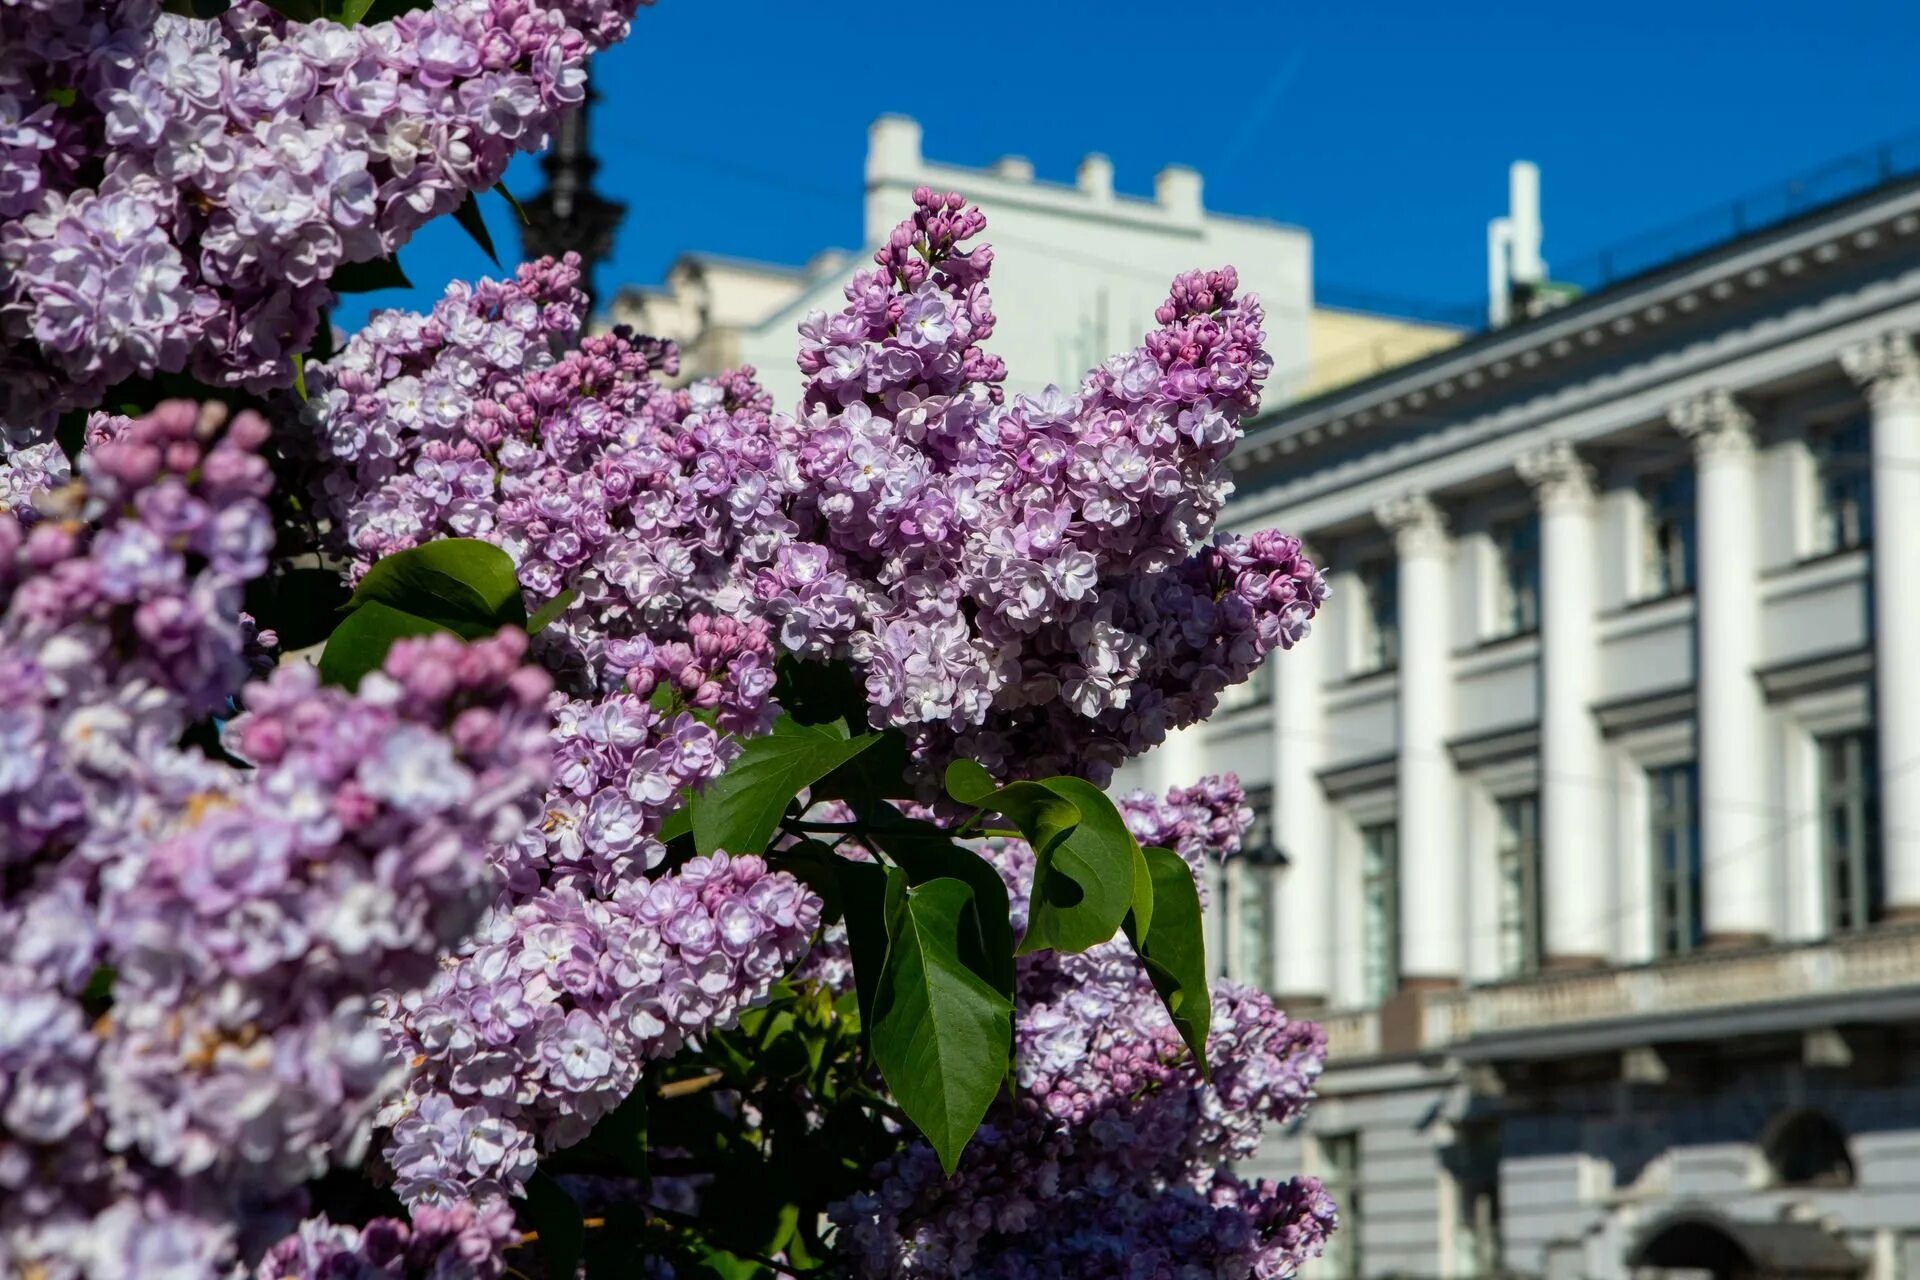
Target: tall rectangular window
<point>1255,879</point>
<point>1379,615</point>
<point>1850,831</point>
<point>1339,1172</point>
<point>1520,899</point>
<point>1842,459</point>
<point>1380,908</point>
<point>1474,1162</point>
<point>1675,836</point>
<point>1668,535</point>
<point>1516,547</point>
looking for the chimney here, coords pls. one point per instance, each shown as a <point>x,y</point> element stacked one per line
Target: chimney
<point>1515,269</point>
<point>1095,176</point>
<point>1176,189</point>
<point>893,149</point>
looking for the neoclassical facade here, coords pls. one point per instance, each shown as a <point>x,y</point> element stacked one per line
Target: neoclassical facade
<point>1591,809</point>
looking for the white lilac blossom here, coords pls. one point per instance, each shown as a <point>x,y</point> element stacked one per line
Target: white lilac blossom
<point>188,951</point>
<point>176,193</point>
<point>1111,1159</point>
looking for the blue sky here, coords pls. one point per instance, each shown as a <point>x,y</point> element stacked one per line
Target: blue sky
<point>1384,129</point>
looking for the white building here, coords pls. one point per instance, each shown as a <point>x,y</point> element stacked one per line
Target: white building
<point>1595,796</point>
<point>1078,270</point>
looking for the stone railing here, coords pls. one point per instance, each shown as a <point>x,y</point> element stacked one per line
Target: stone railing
<point>1878,960</point>
<point>1351,1033</point>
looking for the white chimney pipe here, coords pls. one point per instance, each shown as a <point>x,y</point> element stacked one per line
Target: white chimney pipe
<point>1523,207</point>
<point>1499,283</point>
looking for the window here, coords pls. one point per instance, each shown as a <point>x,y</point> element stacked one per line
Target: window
<point>1379,616</point>
<point>1676,859</point>
<point>1668,507</point>
<point>1520,899</point>
<point>1474,1163</point>
<point>1516,548</point>
<point>1255,888</point>
<point>1842,459</point>
<point>1339,1173</point>
<point>1849,831</point>
<point>1380,907</point>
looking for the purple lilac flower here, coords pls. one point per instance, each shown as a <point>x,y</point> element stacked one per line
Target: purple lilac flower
<point>186,208</point>
<point>241,919</point>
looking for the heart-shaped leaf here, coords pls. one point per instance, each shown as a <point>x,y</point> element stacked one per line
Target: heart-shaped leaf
<point>741,809</point>
<point>466,585</point>
<point>1174,949</point>
<point>941,1034</point>
<point>360,643</point>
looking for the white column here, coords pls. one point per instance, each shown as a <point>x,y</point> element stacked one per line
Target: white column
<point>1890,370</point>
<point>1301,826</point>
<point>1576,887</point>
<point>1432,942</point>
<point>1735,846</point>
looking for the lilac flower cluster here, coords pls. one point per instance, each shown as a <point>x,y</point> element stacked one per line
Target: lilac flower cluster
<point>177,193</point>
<point>647,503</point>
<point>188,950</point>
<point>1110,1161</point>
<point>546,1018</point>
<point>459,1242</point>
<point>1030,584</point>
<point>1039,590</point>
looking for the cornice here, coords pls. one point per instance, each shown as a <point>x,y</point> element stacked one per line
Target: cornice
<point>1738,272</point>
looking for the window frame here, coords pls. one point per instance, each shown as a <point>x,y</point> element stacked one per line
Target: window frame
<point>1515,541</point>
<point>1668,567</point>
<point>1674,811</point>
<point>1855,894</point>
<point>1518,855</point>
<point>1341,1181</point>
<point>1380,941</point>
<point>1841,452</point>
<point>1377,643</point>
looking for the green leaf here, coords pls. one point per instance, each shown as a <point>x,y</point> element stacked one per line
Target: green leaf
<point>969,782</point>
<point>298,10</point>
<point>874,776</point>
<point>863,895</point>
<point>1174,950</point>
<point>359,644</point>
<point>740,810</point>
<point>925,853</point>
<point>63,96</point>
<point>467,586</point>
<point>544,616</point>
<point>551,1213</point>
<point>299,375</point>
<point>1042,815</point>
<point>365,277</point>
<point>518,212</point>
<point>941,1035</point>
<point>1083,882</point>
<point>470,220</point>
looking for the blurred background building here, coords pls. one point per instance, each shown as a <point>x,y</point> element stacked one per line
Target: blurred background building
<point>1589,817</point>
<point>1078,270</point>
<point>1590,812</point>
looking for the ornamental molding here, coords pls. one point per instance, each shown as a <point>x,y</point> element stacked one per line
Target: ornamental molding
<point>1714,422</point>
<point>1886,365</point>
<point>1417,523</point>
<point>1560,479</point>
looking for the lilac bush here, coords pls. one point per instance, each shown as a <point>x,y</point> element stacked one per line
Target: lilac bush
<point>644,710</point>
